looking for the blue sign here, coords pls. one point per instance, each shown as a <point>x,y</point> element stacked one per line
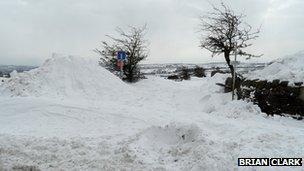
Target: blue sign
<point>121,55</point>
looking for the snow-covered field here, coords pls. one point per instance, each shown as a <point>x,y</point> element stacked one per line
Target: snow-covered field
<point>71,114</point>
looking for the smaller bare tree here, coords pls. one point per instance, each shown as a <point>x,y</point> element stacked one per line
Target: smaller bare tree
<point>224,32</point>
<point>184,73</point>
<point>135,46</point>
<point>199,72</point>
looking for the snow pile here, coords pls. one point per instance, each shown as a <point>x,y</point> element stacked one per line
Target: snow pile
<point>290,68</point>
<point>64,76</point>
<point>240,110</point>
<point>172,134</point>
<point>179,147</point>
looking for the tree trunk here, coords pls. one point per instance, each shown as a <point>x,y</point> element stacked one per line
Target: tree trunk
<point>129,76</point>
<point>227,57</point>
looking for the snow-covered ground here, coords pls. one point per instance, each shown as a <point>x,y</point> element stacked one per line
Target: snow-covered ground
<point>71,114</point>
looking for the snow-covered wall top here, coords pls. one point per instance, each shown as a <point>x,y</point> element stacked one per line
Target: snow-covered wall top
<point>290,68</point>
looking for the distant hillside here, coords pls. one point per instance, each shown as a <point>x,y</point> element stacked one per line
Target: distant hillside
<point>7,69</point>
<point>171,68</point>
<point>157,69</point>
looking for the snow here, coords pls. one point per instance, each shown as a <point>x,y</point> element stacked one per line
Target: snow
<point>63,76</point>
<point>289,68</point>
<point>2,79</point>
<point>70,114</point>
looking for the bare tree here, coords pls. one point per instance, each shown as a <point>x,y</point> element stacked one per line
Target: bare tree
<point>224,32</point>
<point>135,46</point>
<point>184,73</point>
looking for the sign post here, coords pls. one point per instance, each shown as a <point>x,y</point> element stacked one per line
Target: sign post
<point>121,57</point>
<point>234,76</point>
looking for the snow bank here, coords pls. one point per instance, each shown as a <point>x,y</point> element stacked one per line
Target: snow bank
<point>171,134</point>
<point>64,76</point>
<point>290,68</point>
<point>181,147</point>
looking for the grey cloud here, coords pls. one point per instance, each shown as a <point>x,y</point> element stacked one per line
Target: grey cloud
<point>33,29</point>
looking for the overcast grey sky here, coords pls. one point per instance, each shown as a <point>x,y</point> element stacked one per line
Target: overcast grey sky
<point>31,30</point>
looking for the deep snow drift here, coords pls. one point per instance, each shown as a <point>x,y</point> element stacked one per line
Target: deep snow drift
<point>65,77</point>
<point>289,68</point>
<point>78,116</point>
